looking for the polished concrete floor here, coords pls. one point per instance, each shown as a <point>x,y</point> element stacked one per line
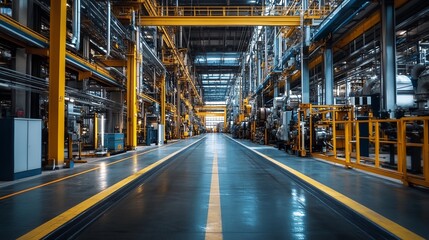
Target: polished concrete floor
<point>256,200</point>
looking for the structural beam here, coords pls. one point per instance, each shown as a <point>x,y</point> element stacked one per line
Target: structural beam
<point>220,21</point>
<point>57,76</point>
<point>132,97</point>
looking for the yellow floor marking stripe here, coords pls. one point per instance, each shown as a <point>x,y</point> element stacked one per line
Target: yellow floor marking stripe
<point>73,212</point>
<point>389,225</point>
<point>77,174</point>
<point>214,216</point>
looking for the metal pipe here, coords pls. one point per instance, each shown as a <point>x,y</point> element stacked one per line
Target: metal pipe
<point>329,75</point>
<point>388,57</point>
<point>266,51</point>
<point>109,19</point>
<point>76,24</point>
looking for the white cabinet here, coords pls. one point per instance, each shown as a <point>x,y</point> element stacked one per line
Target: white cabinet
<point>21,147</point>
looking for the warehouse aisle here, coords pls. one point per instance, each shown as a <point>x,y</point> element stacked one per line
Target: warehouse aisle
<point>211,187</point>
<point>257,201</point>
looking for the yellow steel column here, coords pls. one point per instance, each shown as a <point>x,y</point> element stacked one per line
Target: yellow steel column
<point>57,67</point>
<point>163,102</point>
<point>132,97</point>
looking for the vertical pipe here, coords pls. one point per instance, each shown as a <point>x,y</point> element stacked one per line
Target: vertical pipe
<point>139,59</point>
<point>259,66</point>
<point>163,102</point>
<point>102,131</point>
<point>109,16</point>
<point>266,51</point>
<point>131,98</point>
<point>276,86</point>
<point>287,86</point>
<point>329,75</point>
<point>388,56</point>
<point>276,48</point>
<point>280,55</point>
<point>95,130</point>
<point>305,75</point>
<point>250,72</point>
<point>76,24</point>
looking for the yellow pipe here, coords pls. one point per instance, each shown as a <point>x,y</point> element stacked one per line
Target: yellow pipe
<point>150,99</point>
<point>57,68</point>
<point>132,97</point>
<point>377,145</point>
<point>357,134</point>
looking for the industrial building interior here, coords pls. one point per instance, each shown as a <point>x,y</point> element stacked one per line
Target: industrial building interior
<point>345,82</point>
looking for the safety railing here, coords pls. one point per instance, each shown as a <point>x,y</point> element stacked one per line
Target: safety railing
<point>224,11</point>
<point>395,148</point>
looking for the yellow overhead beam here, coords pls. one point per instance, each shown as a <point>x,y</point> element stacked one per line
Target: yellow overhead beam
<point>220,21</point>
<point>211,114</point>
<point>148,98</point>
<point>114,63</point>
<point>57,79</point>
<point>211,108</point>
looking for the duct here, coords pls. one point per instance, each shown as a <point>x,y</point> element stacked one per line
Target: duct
<point>415,74</point>
<point>404,92</point>
<point>340,17</point>
<point>76,24</point>
<point>109,20</point>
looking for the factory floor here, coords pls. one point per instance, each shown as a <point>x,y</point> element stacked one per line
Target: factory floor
<point>211,187</point>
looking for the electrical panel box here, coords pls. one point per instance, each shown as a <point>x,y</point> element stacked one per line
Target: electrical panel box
<point>21,148</point>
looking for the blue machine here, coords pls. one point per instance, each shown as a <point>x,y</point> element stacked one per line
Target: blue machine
<point>114,142</point>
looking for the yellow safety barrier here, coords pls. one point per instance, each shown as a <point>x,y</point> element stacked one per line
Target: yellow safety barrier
<point>395,148</point>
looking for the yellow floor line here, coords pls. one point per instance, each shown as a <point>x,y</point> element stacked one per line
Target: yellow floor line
<point>58,221</point>
<point>77,174</point>
<point>389,225</point>
<point>214,216</point>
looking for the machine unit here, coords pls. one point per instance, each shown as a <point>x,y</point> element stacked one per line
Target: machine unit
<point>21,148</point>
<point>114,142</point>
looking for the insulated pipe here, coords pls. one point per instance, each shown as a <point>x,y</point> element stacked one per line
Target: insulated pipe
<point>76,24</point>
<point>329,75</point>
<point>266,51</point>
<point>250,73</point>
<point>305,75</point>
<point>388,57</point>
<point>139,59</point>
<point>276,48</point>
<point>109,19</point>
